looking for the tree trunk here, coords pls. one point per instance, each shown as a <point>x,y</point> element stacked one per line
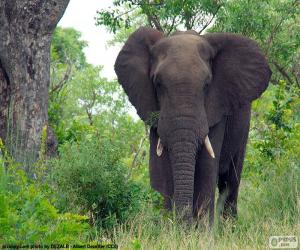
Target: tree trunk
<point>26,28</point>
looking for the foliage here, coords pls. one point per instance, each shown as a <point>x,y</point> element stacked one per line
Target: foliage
<point>90,95</point>
<point>67,47</point>
<point>91,179</point>
<point>86,100</point>
<point>274,137</point>
<point>123,32</point>
<point>27,213</point>
<point>94,103</point>
<point>67,57</point>
<point>165,15</point>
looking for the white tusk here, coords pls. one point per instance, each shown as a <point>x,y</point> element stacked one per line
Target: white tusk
<point>159,148</point>
<point>209,147</point>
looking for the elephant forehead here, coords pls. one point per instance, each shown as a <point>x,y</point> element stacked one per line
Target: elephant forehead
<point>179,70</point>
<point>186,48</point>
<point>177,44</point>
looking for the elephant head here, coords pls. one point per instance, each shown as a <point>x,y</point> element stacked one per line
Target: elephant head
<point>193,81</point>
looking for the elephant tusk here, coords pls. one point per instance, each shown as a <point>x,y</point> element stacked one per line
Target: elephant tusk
<point>209,147</point>
<point>159,148</point>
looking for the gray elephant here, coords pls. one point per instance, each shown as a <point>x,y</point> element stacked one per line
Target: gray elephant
<point>202,86</point>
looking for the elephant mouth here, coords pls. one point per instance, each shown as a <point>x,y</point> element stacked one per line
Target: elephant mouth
<point>207,144</point>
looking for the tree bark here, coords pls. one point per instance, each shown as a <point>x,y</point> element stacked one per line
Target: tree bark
<point>26,28</point>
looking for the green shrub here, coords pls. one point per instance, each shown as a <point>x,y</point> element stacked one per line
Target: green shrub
<point>27,213</point>
<point>90,178</point>
<point>274,140</point>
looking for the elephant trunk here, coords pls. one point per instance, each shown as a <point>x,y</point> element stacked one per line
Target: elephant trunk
<point>183,148</point>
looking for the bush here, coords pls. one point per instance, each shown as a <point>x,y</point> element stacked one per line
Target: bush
<point>27,213</point>
<point>274,139</point>
<point>91,179</point>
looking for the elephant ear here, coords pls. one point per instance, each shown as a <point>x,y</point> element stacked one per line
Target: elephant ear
<point>132,68</point>
<point>240,74</point>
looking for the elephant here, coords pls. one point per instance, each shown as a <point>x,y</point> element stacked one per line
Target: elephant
<point>199,88</point>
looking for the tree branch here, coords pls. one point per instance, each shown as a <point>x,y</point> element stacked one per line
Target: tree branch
<point>282,71</point>
<point>63,81</point>
<point>172,26</point>
<point>133,164</point>
<point>211,19</point>
<point>154,19</point>
<point>126,12</point>
<point>89,114</point>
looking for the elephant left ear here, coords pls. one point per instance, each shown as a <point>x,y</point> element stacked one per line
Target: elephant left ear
<point>240,73</point>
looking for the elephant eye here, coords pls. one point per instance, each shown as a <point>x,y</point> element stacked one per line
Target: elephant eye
<point>205,87</point>
<point>206,82</point>
<point>158,83</point>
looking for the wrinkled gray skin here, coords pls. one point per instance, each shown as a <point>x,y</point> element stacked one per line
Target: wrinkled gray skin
<point>201,85</point>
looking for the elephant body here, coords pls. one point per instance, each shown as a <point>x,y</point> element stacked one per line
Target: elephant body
<point>202,87</point>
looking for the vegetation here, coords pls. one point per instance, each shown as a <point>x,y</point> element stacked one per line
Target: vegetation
<point>109,197</point>
<point>27,213</point>
<point>97,188</point>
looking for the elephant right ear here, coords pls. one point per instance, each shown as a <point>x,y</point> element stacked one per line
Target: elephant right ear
<point>132,68</point>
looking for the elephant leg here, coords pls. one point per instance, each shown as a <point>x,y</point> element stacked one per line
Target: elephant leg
<point>206,172</point>
<point>229,182</point>
<point>231,160</point>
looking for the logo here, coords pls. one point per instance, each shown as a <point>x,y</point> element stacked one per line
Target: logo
<point>287,242</point>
